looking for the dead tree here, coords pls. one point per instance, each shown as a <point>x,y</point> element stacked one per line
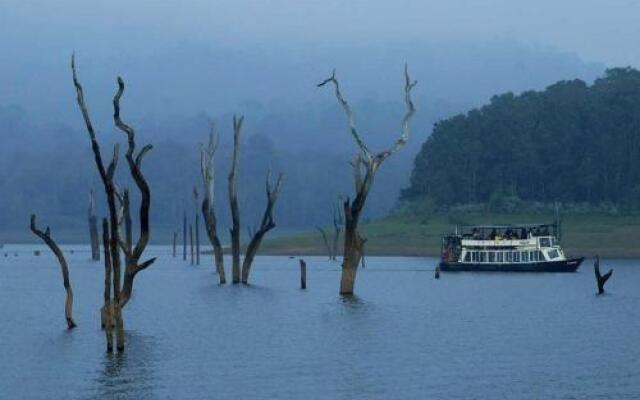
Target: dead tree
<point>266,225</point>
<point>197,225</point>
<point>191,243</point>
<point>365,166</point>
<point>233,202</point>
<point>106,175</point>
<point>601,279</point>
<point>207,155</point>
<point>326,242</point>
<point>48,240</point>
<point>184,237</point>
<point>93,227</point>
<point>122,288</point>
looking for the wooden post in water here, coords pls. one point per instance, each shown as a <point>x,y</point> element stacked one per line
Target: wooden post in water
<point>303,274</point>
<point>437,274</point>
<point>175,240</point>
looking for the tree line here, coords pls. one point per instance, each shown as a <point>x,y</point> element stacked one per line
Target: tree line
<point>571,143</point>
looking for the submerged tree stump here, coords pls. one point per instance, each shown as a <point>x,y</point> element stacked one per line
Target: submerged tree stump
<point>601,279</point>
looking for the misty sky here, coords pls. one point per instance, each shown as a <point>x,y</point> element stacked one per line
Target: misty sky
<point>214,56</point>
<point>597,30</point>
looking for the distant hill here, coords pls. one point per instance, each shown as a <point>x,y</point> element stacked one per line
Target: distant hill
<point>573,142</point>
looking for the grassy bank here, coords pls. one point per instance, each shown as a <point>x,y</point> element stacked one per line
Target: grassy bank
<point>606,235</point>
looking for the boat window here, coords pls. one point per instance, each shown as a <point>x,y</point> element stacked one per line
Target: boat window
<point>508,257</point>
<point>533,256</point>
<point>492,256</point>
<point>525,256</point>
<point>553,254</point>
<point>545,242</point>
<point>474,256</point>
<point>516,256</point>
<point>540,256</point>
<point>500,256</point>
<point>483,256</point>
<point>467,257</point>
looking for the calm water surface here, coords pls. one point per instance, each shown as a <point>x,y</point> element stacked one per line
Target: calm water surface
<point>406,335</point>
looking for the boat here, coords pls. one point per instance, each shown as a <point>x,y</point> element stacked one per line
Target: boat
<point>506,248</point>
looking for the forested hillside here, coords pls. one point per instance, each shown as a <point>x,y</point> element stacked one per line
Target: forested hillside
<point>572,143</point>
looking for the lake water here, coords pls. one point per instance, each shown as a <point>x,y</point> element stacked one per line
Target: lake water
<point>405,336</point>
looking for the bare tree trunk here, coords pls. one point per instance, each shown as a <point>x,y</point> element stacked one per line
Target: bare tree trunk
<point>352,252</point>
<point>197,239</point>
<point>191,243</point>
<point>197,225</point>
<point>175,239</point>
<point>233,202</point>
<point>93,227</point>
<point>326,242</point>
<point>107,308</point>
<point>265,226</point>
<point>184,237</point>
<point>207,169</point>
<point>46,237</point>
<point>365,166</point>
<point>601,279</point>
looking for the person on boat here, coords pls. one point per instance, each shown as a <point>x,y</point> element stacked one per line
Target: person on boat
<point>493,234</point>
<point>523,233</point>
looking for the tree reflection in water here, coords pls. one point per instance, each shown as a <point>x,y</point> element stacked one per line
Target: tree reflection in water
<point>128,375</point>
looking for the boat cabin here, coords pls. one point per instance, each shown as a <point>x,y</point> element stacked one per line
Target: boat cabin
<point>496,244</point>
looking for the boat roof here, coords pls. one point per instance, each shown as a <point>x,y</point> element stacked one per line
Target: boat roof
<point>508,226</point>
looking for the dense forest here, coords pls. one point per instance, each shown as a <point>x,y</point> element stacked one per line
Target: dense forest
<point>573,143</point>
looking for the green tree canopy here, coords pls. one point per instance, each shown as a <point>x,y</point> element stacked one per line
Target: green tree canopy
<point>571,142</point>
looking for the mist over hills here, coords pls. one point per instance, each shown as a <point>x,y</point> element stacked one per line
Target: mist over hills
<point>174,91</point>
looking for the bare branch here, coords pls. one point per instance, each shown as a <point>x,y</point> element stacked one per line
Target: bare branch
<point>46,237</point>
<point>347,109</point>
<point>266,225</point>
<point>404,132</point>
<point>133,266</point>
